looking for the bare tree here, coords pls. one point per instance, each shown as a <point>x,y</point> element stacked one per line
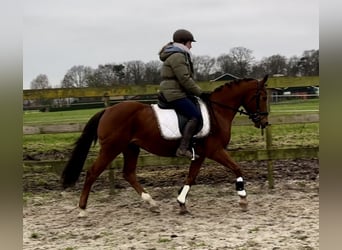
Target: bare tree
<point>238,62</point>
<point>40,82</point>
<point>225,64</point>
<point>77,76</point>
<point>242,59</point>
<point>292,66</point>
<point>258,70</point>
<point>275,64</point>
<point>203,65</point>
<point>135,71</point>
<point>309,63</point>
<point>107,75</point>
<point>152,72</point>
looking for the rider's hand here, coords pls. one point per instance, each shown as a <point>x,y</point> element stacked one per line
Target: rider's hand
<point>205,95</point>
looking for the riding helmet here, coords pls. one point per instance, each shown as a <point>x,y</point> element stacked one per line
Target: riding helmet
<point>183,36</point>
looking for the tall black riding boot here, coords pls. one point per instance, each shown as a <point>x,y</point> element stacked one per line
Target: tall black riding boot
<point>189,130</point>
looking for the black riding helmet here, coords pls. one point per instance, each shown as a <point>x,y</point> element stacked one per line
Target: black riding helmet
<point>183,36</point>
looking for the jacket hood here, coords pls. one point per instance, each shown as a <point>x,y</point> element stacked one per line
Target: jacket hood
<point>169,50</point>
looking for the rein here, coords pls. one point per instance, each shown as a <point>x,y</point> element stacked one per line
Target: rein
<point>255,117</point>
<point>241,111</point>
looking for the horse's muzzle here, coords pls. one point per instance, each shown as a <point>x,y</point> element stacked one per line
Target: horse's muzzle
<point>260,119</point>
<point>264,124</point>
<point>260,122</point>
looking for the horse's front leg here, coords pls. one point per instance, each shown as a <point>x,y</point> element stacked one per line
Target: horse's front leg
<point>222,157</point>
<point>189,181</point>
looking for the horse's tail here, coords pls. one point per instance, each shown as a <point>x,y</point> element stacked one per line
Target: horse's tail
<point>73,168</point>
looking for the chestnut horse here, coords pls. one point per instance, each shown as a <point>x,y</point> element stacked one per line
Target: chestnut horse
<point>129,126</point>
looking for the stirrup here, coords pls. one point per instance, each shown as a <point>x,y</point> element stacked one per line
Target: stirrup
<point>194,155</point>
<point>184,153</point>
<point>187,153</point>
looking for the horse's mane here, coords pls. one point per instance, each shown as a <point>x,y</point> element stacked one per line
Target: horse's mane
<point>231,83</point>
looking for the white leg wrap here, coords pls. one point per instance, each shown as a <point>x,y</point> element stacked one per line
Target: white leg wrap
<point>82,214</point>
<point>181,197</point>
<point>242,193</point>
<point>239,179</point>
<point>147,197</point>
<point>193,154</point>
<point>239,186</point>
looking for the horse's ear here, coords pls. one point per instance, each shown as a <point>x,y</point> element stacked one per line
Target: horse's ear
<point>264,80</point>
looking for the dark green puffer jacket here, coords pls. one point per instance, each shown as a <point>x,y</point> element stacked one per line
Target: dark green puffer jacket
<point>177,73</point>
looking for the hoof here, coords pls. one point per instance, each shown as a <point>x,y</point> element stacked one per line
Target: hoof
<point>82,214</point>
<point>155,209</point>
<point>183,210</point>
<point>243,204</point>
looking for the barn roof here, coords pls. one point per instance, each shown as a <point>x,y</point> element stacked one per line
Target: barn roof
<point>225,77</point>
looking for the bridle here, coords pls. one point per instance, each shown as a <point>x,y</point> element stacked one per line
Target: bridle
<point>256,116</point>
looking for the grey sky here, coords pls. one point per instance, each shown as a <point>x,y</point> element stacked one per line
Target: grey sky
<point>60,34</point>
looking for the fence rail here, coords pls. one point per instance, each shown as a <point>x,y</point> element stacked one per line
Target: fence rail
<point>242,121</point>
<point>238,155</point>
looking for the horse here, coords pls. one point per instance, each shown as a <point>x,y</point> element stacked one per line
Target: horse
<point>131,125</point>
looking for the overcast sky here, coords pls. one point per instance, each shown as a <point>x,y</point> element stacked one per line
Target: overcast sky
<point>59,34</point>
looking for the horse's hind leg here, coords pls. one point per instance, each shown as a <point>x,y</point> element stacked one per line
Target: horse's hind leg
<point>106,155</point>
<point>131,154</point>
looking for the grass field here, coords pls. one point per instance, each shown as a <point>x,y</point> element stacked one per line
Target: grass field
<point>73,116</point>
<point>243,137</point>
<point>295,106</point>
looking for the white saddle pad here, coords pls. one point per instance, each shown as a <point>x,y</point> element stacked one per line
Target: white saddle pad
<point>168,122</point>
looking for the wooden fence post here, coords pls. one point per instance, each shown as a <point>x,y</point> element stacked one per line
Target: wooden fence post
<point>106,99</point>
<point>269,145</point>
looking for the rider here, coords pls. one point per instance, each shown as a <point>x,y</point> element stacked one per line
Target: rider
<point>178,84</point>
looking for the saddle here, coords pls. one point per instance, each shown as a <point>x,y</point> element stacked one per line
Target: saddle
<point>172,123</point>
